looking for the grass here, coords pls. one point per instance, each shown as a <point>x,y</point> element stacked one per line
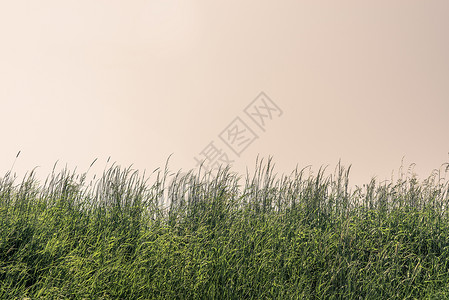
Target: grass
<point>302,236</point>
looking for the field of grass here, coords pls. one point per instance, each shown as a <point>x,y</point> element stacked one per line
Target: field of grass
<point>303,236</point>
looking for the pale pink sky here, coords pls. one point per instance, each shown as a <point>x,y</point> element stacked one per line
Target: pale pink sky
<point>364,82</point>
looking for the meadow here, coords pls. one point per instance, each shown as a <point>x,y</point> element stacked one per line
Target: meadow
<point>308,235</point>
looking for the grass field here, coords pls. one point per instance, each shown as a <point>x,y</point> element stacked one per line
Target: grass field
<point>303,236</point>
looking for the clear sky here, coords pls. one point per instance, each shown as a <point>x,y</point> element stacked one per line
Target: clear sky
<point>364,82</point>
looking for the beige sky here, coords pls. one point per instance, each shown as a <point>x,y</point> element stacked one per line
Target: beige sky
<point>367,83</point>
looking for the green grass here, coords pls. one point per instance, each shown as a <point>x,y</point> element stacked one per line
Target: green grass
<point>301,236</point>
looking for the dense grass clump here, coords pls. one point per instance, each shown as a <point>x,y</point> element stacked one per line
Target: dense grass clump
<point>302,236</point>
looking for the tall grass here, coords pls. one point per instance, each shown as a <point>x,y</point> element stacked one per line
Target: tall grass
<point>204,236</point>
